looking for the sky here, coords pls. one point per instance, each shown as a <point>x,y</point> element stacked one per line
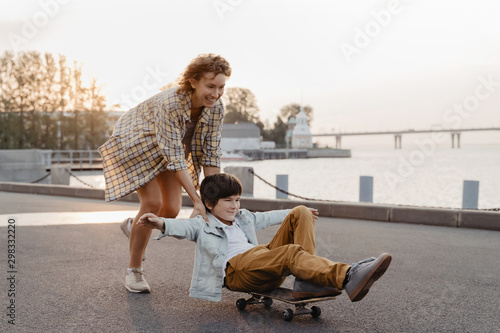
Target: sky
<point>361,65</point>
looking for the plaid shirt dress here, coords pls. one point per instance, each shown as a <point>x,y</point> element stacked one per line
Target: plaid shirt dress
<point>147,140</point>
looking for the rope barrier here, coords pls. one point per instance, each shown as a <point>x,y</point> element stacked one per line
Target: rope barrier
<point>39,180</point>
<point>310,199</point>
<point>288,193</point>
<point>259,177</point>
<point>81,181</point>
<point>70,173</point>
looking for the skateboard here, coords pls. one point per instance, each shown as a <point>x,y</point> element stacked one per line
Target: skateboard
<point>284,295</point>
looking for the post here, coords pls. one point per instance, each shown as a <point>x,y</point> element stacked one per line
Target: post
<point>59,135</point>
<point>397,141</point>
<point>365,189</point>
<point>282,183</point>
<point>245,176</point>
<point>470,197</point>
<point>338,141</point>
<point>59,175</point>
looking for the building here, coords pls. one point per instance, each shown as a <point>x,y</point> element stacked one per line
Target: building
<point>240,137</point>
<point>301,135</point>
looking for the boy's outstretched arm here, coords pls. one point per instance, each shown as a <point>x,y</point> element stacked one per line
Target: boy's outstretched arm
<point>189,228</point>
<point>151,221</point>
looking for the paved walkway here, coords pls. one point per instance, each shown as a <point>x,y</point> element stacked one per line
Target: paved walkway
<point>69,278</point>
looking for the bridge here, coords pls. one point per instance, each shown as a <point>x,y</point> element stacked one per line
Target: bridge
<point>398,134</point>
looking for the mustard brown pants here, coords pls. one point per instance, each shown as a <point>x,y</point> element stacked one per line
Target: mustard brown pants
<point>292,250</point>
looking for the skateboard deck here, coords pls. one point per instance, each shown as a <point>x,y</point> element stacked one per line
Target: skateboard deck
<point>284,295</point>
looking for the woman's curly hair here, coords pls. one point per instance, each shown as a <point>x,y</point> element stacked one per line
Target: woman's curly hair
<point>204,63</point>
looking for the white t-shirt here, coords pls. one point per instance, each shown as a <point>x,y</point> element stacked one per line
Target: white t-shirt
<point>237,242</point>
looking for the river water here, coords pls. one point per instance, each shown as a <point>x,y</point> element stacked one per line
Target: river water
<point>416,176</point>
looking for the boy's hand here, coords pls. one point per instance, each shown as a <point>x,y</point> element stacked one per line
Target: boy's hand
<point>151,221</point>
<point>314,211</point>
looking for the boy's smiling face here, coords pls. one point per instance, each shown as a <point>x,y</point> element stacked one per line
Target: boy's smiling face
<point>226,209</point>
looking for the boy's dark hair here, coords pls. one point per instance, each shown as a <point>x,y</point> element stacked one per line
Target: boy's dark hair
<point>218,186</point>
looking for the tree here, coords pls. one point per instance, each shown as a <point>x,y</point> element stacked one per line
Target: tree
<point>95,120</point>
<point>276,134</point>
<point>32,87</point>
<point>293,109</point>
<point>6,83</point>
<point>241,106</point>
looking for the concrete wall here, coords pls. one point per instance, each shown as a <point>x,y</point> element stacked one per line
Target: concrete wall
<point>23,165</point>
<point>457,218</point>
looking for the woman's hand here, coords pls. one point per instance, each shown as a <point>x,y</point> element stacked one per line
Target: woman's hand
<point>151,221</point>
<point>185,179</point>
<point>199,209</point>
<point>314,211</point>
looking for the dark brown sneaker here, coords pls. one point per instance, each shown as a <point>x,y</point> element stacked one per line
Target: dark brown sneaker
<point>303,289</point>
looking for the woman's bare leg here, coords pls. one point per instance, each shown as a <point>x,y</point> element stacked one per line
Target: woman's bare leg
<point>171,193</point>
<point>163,197</point>
<point>150,202</point>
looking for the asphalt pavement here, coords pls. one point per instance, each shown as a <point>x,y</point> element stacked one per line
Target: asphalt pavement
<point>70,278</point>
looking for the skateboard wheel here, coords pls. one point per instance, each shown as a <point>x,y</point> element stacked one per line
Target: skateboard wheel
<point>316,311</point>
<point>268,302</point>
<point>288,314</point>
<point>241,304</point>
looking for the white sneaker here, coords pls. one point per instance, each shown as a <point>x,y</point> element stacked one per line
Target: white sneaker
<point>135,283</point>
<point>125,227</point>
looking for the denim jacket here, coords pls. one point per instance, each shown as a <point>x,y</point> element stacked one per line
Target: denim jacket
<point>211,246</point>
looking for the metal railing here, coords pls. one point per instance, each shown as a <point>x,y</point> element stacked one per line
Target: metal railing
<point>74,158</point>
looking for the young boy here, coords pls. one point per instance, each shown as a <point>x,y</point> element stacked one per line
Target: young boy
<point>228,254</point>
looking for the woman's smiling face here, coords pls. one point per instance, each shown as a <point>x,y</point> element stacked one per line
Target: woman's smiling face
<point>208,90</point>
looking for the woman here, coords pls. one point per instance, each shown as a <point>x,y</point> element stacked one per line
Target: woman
<point>159,147</point>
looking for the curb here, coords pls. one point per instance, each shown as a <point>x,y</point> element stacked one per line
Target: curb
<point>457,218</point>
